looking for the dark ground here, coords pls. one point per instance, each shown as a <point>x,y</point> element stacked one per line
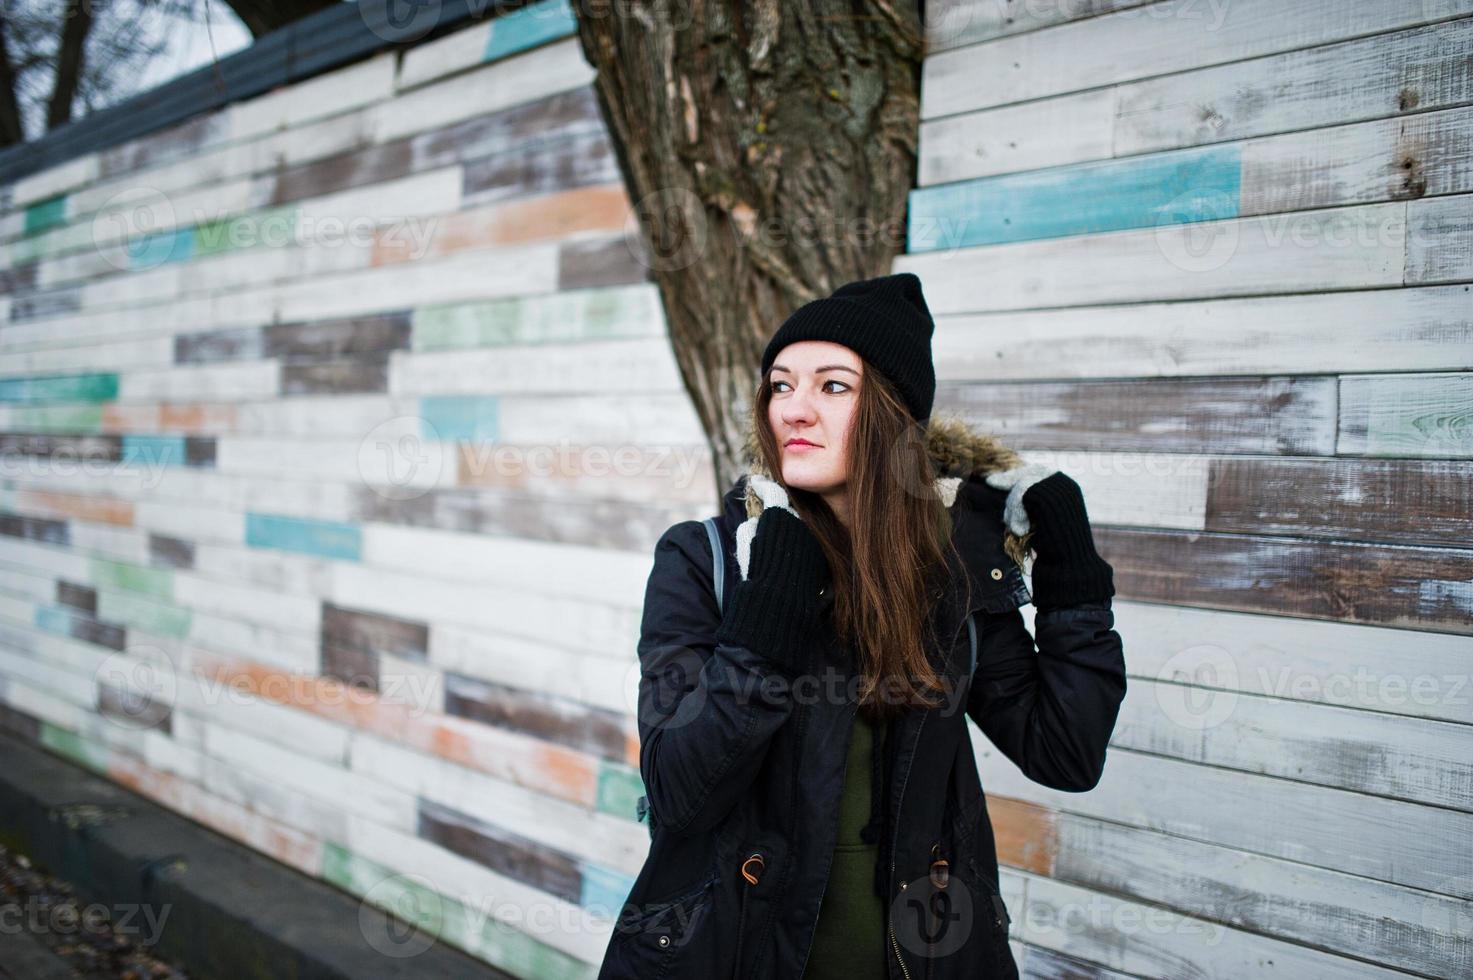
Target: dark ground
<point>47,932</point>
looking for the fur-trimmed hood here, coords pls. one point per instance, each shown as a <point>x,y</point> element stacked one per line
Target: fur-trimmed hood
<point>962,456</point>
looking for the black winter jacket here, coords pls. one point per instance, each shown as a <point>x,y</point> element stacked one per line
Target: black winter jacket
<point>744,772</point>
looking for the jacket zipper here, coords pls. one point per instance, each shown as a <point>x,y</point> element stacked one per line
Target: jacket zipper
<point>894,841</point>
<point>751,879</point>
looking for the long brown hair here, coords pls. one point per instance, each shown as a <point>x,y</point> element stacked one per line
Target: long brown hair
<point>889,564</point>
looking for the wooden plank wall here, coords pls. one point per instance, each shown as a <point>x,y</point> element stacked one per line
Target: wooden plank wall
<point>339,427</point>
<point>1214,261</point>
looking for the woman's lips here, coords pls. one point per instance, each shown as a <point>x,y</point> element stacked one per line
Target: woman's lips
<point>802,447</point>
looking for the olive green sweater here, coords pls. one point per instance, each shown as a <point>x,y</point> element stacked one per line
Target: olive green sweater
<point>849,939</point>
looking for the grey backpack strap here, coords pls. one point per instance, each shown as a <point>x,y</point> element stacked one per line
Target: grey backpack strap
<point>972,636</point>
<point>718,560</point>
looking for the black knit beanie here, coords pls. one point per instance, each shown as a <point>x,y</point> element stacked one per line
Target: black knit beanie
<point>883,320</point>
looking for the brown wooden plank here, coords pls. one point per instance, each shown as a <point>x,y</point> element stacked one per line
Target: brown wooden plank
<point>1275,415</point>
<point>340,337</point>
<point>602,262</point>
<point>354,168</point>
<point>74,449</point>
<point>352,665</point>
<point>579,726</point>
<point>359,629</point>
<point>174,143</point>
<point>502,851</point>
<point>199,451</point>
<point>541,167</point>
<point>571,113</point>
<point>597,522</point>
<point>29,528</point>
<point>170,552</point>
<point>18,278</point>
<point>236,344</point>
<point>1386,585</point>
<point>33,304</point>
<point>135,711</point>
<point>1394,501</point>
<point>17,723</point>
<point>364,374</point>
<point>81,597</point>
<point>1025,834</point>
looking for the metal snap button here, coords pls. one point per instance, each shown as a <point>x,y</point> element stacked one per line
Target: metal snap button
<point>997,573</point>
<point>902,886</point>
<point>664,940</point>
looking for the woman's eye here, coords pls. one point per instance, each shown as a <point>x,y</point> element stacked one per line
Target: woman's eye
<point>830,381</point>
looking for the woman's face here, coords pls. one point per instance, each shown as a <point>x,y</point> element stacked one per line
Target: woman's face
<point>815,388</point>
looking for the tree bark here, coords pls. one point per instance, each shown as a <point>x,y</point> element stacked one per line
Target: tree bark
<point>768,149</point>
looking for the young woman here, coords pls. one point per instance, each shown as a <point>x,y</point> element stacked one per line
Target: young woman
<point>814,801</point>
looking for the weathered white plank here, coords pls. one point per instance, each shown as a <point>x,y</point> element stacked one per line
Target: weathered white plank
<point>610,841</point>
<point>953,23</point>
<point>623,366</point>
<point>1337,248</point>
<point>488,896</point>
<point>1386,924</point>
<point>1171,36</point>
<point>1408,673</point>
<point>1371,78</point>
<point>354,86</point>
<point>1426,329</point>
<point>1440,238</point>
<point>531,75</point>
<point>1155,942</point>
<point>1008,139</point>
<point>1353,749</point>
<point>1388,840</point>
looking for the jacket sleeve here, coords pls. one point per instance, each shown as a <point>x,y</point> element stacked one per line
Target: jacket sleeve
<point>707,710</point>
<point>1052,709</point>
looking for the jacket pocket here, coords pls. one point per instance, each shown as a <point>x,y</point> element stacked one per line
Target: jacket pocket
<point>648,939</point>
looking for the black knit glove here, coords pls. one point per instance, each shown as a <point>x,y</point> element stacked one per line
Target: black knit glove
<point>1068,570</point>
<point>774,612</point>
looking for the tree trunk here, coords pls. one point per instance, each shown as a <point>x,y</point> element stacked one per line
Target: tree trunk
<point>71,55</point>
<point>768,148</point>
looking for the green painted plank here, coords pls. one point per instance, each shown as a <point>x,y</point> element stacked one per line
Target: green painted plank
<point>83,418</point>
<point>158,582</point>
<point>102,387</point>
<point>45,214</point>
<point>618,788</point>
<point>411,898</point>
<point>74,747</point>
<point>616,313</point>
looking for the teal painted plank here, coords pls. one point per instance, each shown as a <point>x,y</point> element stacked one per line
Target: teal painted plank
<point>148,451</point>
<point>460,418</point>
<point>64,388</point>
<point>54,619</point>
<point>604,891</point>
<point>528,27</point>
<point>169,246</point>
<point>45,214</point>
<point>328,539</point>
<point>619,786</point>
<point>1110,195</point>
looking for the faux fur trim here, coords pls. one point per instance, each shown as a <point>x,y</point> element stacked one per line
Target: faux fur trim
<point>957,452</point>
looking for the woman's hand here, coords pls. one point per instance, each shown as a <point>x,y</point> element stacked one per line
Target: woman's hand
<point>1068,570</point>
<point>774,609</point>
